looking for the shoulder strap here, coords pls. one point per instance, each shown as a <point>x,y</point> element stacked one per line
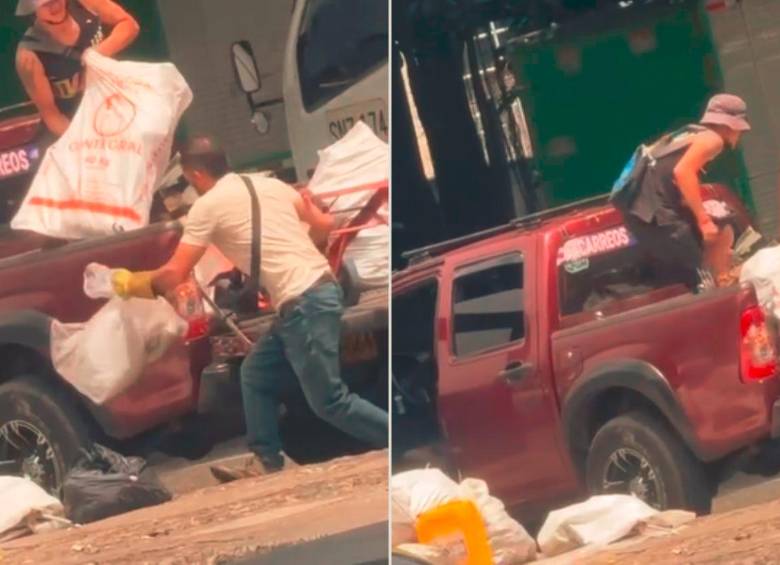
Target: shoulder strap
<point>36,41</point>
<point>254,274</point>
<point>675,141</point>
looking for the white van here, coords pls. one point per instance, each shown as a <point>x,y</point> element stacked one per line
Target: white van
<point>335,74</point>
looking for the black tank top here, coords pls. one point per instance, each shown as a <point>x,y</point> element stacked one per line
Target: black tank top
<point>659,197</point>
<point>61,63</point>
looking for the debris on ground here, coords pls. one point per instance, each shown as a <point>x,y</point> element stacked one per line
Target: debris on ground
<point>27,509</point>
<point>222,523</point>
<point>104,483</point>
<point>419,497</point>
<point>431,524</point>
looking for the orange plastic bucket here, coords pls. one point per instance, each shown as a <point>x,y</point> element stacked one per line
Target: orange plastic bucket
<point>456,523</point>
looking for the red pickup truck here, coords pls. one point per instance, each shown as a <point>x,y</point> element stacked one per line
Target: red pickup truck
<point>43,421</point>
<point>547,358</point>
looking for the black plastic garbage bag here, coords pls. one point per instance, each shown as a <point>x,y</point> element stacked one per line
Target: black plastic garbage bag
<point>103,483</point>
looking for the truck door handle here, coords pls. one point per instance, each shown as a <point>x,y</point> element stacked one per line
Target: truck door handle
<point>515,372</point>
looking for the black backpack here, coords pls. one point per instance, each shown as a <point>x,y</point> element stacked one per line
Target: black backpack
<point>629,183</point>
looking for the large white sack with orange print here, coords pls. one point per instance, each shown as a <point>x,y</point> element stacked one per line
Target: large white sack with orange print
<point>359,159</point>
<point>100,176</point>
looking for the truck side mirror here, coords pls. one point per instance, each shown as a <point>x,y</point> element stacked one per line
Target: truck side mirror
<point>245,66</point>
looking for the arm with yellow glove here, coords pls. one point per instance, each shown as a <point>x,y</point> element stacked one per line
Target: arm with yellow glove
<point>150,284</point>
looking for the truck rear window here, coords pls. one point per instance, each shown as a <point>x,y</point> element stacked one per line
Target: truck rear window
<point>600,268</point>
<point>487,305</point>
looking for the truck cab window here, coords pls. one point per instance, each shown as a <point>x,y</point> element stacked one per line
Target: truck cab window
<point>488,305</point>
<point>340,42</point>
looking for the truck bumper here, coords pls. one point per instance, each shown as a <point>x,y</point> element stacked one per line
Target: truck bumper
<point>775,424</point>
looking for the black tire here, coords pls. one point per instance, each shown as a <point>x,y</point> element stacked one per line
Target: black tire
<point>678,477</point>
<point>45,407</point>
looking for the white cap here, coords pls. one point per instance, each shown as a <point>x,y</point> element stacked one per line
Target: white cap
<point>28,7</point>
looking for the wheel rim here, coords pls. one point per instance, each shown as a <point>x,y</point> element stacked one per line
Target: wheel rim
<point>26,452</point>
<point>629,472</point>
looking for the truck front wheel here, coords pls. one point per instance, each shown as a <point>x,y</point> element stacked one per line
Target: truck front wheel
<point>41,431</point>
<point>638,454</point>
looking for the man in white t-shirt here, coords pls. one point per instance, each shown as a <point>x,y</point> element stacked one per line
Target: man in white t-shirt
<point>304,344</point>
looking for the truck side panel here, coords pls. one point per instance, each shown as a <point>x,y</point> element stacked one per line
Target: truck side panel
<point>51,281</point>
<point>694,343</point>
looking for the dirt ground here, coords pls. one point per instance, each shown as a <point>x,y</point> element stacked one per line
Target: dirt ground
<point>750,535</point>
<point>221,523</point>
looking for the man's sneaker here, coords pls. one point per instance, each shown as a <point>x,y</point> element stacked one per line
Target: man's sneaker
<point>252,467</point>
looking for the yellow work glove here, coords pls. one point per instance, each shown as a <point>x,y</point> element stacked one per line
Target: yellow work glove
<point>128,284</point>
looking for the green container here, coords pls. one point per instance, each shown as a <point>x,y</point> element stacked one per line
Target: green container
<point>600,86</point>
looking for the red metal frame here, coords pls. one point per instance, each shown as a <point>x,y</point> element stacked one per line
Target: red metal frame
<point>368,216</point>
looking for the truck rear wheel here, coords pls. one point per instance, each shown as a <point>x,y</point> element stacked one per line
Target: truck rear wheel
<point>638,454</point>
<point>41,431</point>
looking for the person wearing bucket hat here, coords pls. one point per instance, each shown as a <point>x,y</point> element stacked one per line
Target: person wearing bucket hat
<point>48,58</point>
<point>667,216</point>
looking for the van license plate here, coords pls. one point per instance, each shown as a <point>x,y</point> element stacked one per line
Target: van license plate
<point>372,112</point>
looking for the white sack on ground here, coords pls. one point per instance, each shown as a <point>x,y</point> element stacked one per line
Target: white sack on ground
<point>103,357</point>
<point>413,493</point>
<point>359,158</point>
<point>598,521</point>
<point>100,176</point>
<point>763,271</point>
<point>27,508</point>
<point>510,543</point>
<point>416,492</point>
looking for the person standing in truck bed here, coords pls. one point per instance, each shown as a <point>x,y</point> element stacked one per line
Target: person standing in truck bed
<point>667,215</point>
<point>305,341</point>
<point>48,58</point>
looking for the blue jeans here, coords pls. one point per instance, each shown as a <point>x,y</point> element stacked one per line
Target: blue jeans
<point>305,344</point>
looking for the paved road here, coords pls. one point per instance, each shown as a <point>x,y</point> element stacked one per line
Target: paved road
<point>364,546</point>
<point>745,490</point>
<point>182,475</point>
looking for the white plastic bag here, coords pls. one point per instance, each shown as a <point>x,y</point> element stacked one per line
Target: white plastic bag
<point>598,521</point>
<point>510,543</point>
<point>100,176</point>
<point>27,508</point>
<point>415,492</point>
<point>106,355</point>
<point>358,159</point>
<point>97,281</point>
<point>763,271</point>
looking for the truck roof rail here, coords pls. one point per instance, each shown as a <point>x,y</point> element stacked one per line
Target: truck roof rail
<point>417,255</point>
<point>15,107</point>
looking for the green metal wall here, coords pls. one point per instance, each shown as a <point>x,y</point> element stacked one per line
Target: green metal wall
<point>150,45</point>
<point>590,99</point>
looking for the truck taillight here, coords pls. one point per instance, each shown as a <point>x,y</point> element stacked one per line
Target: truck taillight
<point>197,328</point>
<point>758,356</point>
